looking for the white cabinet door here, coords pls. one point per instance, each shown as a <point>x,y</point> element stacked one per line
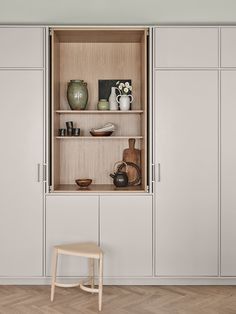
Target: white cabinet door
<point>186,47</point>
<point>228,173</point>
<point>21,47</point>
<point>70,219</point>
<point>126,235</point>
<point>228,47</point>
<point>186,113</point>
<point>21,201</point>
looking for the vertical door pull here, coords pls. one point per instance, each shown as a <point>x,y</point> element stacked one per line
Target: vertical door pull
<point>38,167</point>
<point>153,173</point>
<point>44,173</point>
<point>159,172</point>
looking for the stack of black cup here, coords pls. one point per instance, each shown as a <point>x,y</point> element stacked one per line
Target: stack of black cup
<point>70,130</point>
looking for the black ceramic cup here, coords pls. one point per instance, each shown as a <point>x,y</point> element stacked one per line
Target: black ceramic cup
<point>69,131</point>
<point>76,131</point>
<point>69,125</point>
<point>62,132</point>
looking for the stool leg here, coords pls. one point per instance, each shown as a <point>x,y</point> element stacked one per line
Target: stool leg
<point>91,272</point>
<point>100,285</point>
<point>54,272</point>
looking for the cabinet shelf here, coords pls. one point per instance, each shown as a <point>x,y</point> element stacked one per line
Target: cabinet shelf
<point>98,112</point>
<point>97,137</point>
<point>97,188</point>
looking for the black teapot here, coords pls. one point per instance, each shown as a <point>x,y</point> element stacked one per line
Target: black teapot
<point>120,178</point>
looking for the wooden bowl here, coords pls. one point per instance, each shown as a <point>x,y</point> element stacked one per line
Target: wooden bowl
<point>103,133</point>
<point>83,183</point>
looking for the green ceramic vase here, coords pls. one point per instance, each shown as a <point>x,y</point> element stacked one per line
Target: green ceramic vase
<point>77,94</point>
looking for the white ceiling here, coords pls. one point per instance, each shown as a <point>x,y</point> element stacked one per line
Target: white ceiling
<point>117,11</point>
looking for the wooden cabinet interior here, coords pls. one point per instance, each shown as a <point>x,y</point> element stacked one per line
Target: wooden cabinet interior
<point>92,54</point>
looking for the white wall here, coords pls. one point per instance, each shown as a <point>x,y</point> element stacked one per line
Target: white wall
<point>117,11</point>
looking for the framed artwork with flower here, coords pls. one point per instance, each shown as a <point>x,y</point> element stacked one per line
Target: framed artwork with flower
<point>104,87</point>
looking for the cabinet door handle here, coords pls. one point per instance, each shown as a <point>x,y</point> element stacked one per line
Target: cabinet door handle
<point>44,173</point>
<point>38,168</point>
<point>153,173</point>
<point>159,172</point>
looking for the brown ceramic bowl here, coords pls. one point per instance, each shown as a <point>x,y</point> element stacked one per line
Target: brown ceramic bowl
<point>83,183</point>
<point>102,133</point>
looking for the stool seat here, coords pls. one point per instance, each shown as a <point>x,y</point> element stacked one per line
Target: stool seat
<point>87,249</point>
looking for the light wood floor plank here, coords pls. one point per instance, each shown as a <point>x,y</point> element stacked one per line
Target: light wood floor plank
<point>120,300</point>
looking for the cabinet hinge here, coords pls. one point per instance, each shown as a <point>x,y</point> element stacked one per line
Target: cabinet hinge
<point>50,32</point>
<point>50,188</point>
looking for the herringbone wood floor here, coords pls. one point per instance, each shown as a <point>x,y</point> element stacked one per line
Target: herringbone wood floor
<point>120,300</point>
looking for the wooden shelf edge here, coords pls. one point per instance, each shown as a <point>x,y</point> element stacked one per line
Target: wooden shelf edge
<point>99,112</point>
<point>97,137</point>
<point>93,188</point>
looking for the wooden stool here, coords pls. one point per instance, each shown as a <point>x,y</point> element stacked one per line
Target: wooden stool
<point>89,250</point>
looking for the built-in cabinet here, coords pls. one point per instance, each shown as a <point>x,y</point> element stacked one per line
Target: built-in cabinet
<point>194,104</point>
<point>186,151</point>
<point>187,158</point>
<point>22,47</point>
<point>121,224</point>
<point>126,235</point>
<point>71,219</point>
<point>228,47</point>
<point>185,225</point>
<point>185,47</point>
<point>228,151</point>
<point>228,172</point>
<point>22,153</point>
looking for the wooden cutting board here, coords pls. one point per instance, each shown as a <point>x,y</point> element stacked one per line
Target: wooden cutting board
<point>132,154</point>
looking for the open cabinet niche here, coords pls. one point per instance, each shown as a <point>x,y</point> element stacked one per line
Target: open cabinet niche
<point>91,54</point>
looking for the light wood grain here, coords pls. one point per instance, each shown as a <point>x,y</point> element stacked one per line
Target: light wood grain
<point>97,187</point>
<point>90,158</point>
<point>102,35</point>
<point>93,54</point>
<point>126,125</point>
<point>55,104</point>
<point>94,61</point>
<point>97,137</point>
<point>120,300</point>
<point>98,112</point>
<point>145,108</point>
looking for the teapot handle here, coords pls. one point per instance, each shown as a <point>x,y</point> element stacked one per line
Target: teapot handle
<point>120,162</point>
